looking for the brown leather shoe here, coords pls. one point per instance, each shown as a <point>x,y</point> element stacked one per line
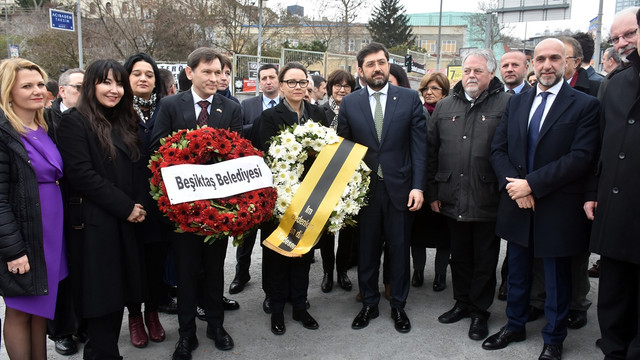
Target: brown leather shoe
<point>137,333</point>
<point>156,331</point>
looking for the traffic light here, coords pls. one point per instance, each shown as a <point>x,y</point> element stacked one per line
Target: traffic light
<point>408,61</point>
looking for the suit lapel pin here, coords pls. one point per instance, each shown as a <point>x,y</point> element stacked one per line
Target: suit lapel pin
<point>453,118</point>
<point>483,118</point>
<point>394,98</point>
<point>219,110</point>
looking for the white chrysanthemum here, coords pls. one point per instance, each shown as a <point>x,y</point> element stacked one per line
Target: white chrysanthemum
<point>281,166</point>
<point>277,151</point>
<point>287,138</point>
<point>331,137</point>
<point>320,131</point>
<point>290,158</point>
<point>318,145</point>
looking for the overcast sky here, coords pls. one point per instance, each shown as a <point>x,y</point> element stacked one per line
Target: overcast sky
<point>581,12</point>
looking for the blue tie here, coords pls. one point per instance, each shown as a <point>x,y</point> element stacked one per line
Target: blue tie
<point>534,130</point>
<point>272,103</point>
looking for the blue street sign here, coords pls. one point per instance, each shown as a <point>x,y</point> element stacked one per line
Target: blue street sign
<point>61,20</point>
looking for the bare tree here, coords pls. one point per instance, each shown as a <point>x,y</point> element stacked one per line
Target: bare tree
<point>348,13</point>
<point>478,25</point>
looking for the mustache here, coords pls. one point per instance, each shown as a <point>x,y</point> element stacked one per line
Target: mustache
<point>472,81</point>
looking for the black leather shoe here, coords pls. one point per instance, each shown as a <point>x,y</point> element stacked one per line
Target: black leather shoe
<point>184,347</point>
<point>229,304</point>
<point>478,329</point>
<point>502,292</point>
<point>277,324</point>
<point>66,346</point>
<point>266,305</point>
<point>201,313</point>
<point>327,282</point>
<point>576,319</point>
<point>454,315</point>
<point>440,282</point>
<point>551,352</point>
<point>362,319</point>
<point>344,281</point>
<point>307,320</point>
<point>534,313</point>
<point>238,283</point>
<point>418,278</point>
<point>503,338</point>
<point>170,307</point>
<point>220,337</point>
<point>401,320</point>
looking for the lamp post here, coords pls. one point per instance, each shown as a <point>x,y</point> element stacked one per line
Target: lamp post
<point>6,29</point>
<point>259,44</point>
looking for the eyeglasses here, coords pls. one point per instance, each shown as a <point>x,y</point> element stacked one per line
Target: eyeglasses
<point>292,83</point>
<point>572,57</point>
<point>627,36</point>
<point>340,86</point>
<point>432,88</point>
<point>78,87</point>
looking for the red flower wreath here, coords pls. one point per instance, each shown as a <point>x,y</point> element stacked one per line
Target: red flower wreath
<point>213,218</point>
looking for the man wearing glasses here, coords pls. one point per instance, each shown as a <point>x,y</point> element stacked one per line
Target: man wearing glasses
<point>69,90</point>
<point>624,32</point>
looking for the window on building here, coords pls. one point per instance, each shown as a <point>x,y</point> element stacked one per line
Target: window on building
<point>364,43</point>
<point>125,8</point>
<point>92,8</point>
<point>428,45</point>
<point>352,45</point>
<point>108,7</point>
<point>448,46</point>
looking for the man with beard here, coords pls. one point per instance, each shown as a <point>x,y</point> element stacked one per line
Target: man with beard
<point>513,69</point>
<point>624,34</point>
<point>390,121</point>
<point>616,223</point>
<point>542,153</point>
<point>462,186</point>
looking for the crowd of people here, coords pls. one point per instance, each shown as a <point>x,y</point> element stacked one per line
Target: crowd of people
<point>546,163</point>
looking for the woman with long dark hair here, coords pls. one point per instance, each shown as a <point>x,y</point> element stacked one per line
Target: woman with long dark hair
<point>100,148</point>
<point>31,215</point>
<point>148,89</point>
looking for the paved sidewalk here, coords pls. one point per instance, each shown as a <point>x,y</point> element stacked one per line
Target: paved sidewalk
<point>250,327</point>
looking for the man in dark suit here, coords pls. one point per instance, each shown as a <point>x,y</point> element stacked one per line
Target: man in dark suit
<point>251,110</point>
<point>199,106</point>
<point>513,68</point>
<point>542,152</point>
<point>390,121</point>
<point>270,97</point>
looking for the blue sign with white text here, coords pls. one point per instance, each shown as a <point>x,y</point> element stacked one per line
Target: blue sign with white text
<point>61,20</point>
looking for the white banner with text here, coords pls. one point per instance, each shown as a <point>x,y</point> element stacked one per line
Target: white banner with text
<point>189,182</point>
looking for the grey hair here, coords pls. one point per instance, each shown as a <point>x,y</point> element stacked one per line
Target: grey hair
<point>486,54</point>
<point>613,54</point>
<point>626,11</point>
<point>64,78</point>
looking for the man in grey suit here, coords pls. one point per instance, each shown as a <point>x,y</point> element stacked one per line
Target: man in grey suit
<point>270,97</point>
<point>199,106</point>
<point>251,110</point>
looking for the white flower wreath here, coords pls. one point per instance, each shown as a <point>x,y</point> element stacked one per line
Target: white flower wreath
<point>286,157</point>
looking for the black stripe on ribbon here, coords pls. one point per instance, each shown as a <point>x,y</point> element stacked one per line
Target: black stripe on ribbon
<point>317,194</point>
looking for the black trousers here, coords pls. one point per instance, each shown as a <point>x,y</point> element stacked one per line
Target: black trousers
<point>286,278</point>
<point>381,222</point>
<point>103,333</point>
<point>619,308</point>
<point>192,256</point>
<point>243,255</point>
<point>67,319</point>
<point>339,257</point>
<point>430,230</point>
<point>474,257</point>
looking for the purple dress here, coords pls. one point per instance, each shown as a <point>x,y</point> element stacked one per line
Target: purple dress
<point>47,164</point>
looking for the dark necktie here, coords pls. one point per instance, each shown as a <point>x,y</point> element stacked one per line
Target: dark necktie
<point>272,103</point>
<point>510,91</point>
<point>534,130</point>
<point>204,115</point>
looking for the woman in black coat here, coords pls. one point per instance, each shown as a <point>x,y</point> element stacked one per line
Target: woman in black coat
<point>152,234</point>
<point>287,277</point>
<point>99,146</point>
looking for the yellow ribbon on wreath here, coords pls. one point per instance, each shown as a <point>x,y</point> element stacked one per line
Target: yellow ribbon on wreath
<point>318,194</point>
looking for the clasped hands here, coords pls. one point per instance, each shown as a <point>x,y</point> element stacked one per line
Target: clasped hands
<point>137,214</point>
<point>520,192</point>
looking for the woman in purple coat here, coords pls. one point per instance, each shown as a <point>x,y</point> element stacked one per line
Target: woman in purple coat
<point>31,217</point>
